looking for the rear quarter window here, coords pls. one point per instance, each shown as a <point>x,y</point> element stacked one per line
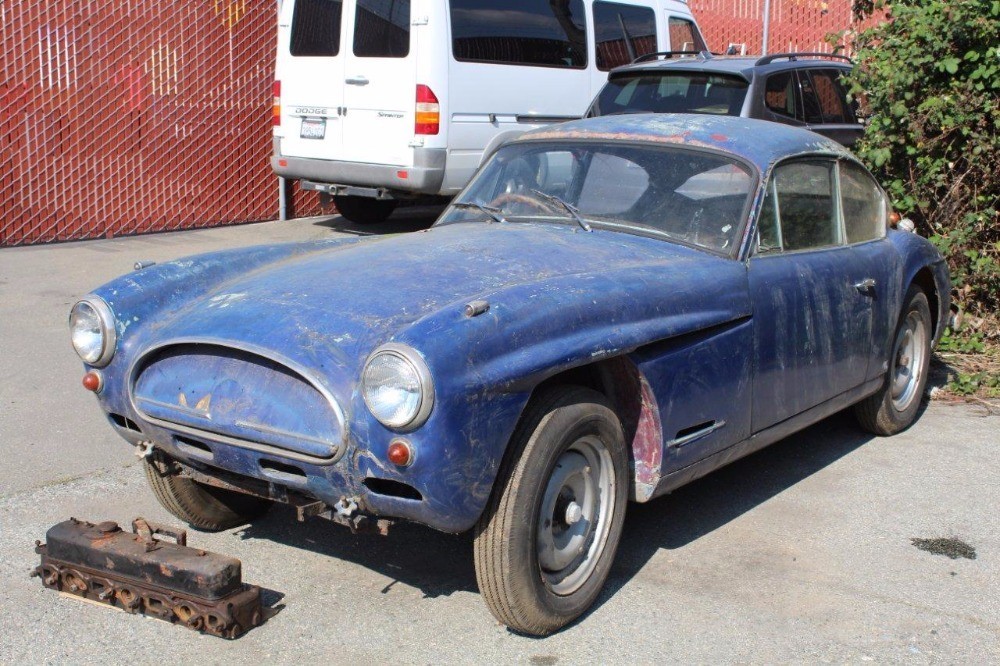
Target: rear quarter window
<point>520,32</point>
<point>316,28</point>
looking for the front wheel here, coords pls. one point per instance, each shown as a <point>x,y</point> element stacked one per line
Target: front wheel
<point>202,506</point>
<point>363,210</point>
<point>545,544</point>
<point>895,406</point>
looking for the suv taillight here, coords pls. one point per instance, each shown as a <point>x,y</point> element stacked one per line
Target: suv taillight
<point>276,107</point>
<point>428,117</point>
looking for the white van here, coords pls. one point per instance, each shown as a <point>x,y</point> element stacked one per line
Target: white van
<point>376,101</point>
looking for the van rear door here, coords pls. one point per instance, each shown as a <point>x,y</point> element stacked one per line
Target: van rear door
<point>380,82</point>
<point>310,67</point>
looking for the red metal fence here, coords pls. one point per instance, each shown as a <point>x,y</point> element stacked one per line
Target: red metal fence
<point>132,116</point>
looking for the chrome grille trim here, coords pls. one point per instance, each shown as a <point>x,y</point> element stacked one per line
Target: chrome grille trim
<point>299,370</point>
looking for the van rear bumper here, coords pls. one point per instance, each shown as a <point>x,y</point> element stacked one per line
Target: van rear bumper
<point>424,177</point>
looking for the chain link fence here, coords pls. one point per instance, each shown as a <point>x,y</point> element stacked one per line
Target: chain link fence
<point>135,116</point>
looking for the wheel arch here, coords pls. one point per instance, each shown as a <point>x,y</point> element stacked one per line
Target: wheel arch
<point>621,381</point>
<point>924,279</point>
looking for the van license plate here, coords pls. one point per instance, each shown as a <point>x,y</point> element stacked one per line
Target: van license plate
<point>313,128</point>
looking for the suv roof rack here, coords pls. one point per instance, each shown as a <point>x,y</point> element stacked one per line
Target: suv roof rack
<point>704,55</point>
<point>792,57</point>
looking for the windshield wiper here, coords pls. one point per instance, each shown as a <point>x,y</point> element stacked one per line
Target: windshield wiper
<point>569,208</point>
<point>492,211</point>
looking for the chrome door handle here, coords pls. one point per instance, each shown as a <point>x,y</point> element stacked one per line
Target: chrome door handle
<point>866,286</point>
<point>356,81</point>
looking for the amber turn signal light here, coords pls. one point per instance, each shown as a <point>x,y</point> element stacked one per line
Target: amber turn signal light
<point>894,218</point>
<point>400,453</point>
<point>92,381</point>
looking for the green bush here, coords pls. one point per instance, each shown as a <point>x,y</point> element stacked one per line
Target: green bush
<point>928,81</point>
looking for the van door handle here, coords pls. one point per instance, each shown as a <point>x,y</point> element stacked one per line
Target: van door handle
<point>356,81</point>
<point>866,286</point>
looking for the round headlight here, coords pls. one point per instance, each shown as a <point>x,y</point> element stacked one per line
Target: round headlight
<point>92,329</point>
<point>397,389</point>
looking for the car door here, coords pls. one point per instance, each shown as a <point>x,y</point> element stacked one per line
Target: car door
<point>380,82</point>
<point>812,303</point>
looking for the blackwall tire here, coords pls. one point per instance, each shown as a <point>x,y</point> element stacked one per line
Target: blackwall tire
<point>894,407</point>
<point>364,210</point>
<point>546,542</point>
<point>201,506</point>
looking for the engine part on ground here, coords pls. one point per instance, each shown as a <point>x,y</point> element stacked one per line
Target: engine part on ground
<point>140,573</point>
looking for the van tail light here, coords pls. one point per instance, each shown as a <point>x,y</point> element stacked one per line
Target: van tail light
<point>428,117</point>
<point>276,108</point>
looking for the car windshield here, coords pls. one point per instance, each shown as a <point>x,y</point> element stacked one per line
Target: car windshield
<point>672,92</point>
<point>682,194</point>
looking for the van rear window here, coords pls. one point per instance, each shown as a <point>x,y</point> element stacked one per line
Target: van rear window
<point>316,28</point>
<point>382,29</point>
<point>542,33</point>
<point>619,28</point>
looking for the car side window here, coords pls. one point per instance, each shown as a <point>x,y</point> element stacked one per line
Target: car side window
<point>811,110</point>
<point>781,95</point>
<point>863,204</point>
<point>800,208</point>
<point>829,95</point>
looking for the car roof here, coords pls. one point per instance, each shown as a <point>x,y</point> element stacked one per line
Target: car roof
<point>744,66</point>
<point>760,142</point>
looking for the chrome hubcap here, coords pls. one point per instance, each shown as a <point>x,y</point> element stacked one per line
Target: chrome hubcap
<point>574,515</point>
<point>908,361</point>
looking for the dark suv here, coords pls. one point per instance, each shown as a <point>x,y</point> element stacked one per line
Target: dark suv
<point>801,89</point>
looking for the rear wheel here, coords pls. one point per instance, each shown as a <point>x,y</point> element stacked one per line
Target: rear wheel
<point>895,406</point>
<point>363,210</point>
<point>545,544</point>
<point>201,506</point>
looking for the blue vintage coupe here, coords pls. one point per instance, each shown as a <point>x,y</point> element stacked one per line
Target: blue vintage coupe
<point>612,308</point>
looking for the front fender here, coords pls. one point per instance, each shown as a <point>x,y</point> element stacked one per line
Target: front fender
<point>486,367</point>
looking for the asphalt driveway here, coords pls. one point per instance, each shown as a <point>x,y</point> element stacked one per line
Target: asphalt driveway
<point>802,552</point>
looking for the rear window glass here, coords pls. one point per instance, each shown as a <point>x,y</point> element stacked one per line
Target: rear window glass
<point>684,36</point>
<point>520,32</point>
<point>616,26</point>
<point>316,28</point>
<point>673,93</point>
<point>382,29</point>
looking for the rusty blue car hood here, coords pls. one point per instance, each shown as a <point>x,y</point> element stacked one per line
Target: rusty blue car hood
<point>332,307</point>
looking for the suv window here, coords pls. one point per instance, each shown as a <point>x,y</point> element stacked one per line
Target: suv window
<point>829,97</point>
<point>316,28</point>
<point>672,92</point>
<point>639,28</point>
<point>382,29</point>
<point>781,95</point>
<point>799,210</point>
<point>684,36</point>
<point>863,204</point>
<point>520,32</point>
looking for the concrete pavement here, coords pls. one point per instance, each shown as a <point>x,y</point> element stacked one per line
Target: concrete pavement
<point>801,552</point>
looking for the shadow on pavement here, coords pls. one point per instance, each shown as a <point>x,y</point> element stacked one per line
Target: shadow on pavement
<point>402,220</point>
<point>439,564</point>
